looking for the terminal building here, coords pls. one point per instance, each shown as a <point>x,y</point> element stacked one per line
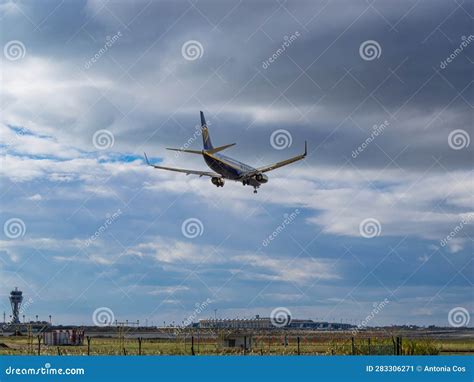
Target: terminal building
<point>265,323</point>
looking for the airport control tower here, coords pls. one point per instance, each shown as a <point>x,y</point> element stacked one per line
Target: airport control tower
<point>16,297</point>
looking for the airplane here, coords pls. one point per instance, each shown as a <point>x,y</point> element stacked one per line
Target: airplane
<point>225,167</point>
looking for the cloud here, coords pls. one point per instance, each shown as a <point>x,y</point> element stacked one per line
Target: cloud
<point>35,197</point>
<point>299,271</point>
<point>320,90</point>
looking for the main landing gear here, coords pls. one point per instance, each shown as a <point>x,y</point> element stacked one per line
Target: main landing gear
<point>218,182</point>
<point>255,190</point>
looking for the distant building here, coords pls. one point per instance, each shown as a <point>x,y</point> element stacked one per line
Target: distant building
<point>240,340</point>
<point>63,337</point>
<point>266,323</point>
<point>16,298</point>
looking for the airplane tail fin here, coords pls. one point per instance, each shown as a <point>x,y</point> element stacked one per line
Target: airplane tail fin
<point>206,139</point>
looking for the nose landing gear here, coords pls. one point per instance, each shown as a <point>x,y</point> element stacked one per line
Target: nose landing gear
<point>246,182</point>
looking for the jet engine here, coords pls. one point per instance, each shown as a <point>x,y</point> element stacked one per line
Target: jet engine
<point>261,178</point>
<point>218,182</point>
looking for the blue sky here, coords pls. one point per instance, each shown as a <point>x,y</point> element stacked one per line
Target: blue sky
<point>88,86</point>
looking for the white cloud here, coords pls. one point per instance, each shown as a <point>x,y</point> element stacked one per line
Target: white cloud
<point>28,144</point>
<point>9,8</point>
<point>457,244</point>
<point>298,271</point>
<point>35,197</point>
<point>175,251</point>
<point>241,264</point>
<point>405,203</point>
<point>168,290</point>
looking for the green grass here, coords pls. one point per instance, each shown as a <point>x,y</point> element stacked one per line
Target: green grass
<point>315,345</point>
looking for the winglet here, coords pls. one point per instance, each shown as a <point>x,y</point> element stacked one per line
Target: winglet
<point>305,148</point>
<point>146,158</point>
<point>203,120</point>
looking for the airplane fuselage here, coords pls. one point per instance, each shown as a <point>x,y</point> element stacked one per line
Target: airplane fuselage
<point>232,169</point>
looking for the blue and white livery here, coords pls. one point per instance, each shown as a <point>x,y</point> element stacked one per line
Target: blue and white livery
<point>226,167</point>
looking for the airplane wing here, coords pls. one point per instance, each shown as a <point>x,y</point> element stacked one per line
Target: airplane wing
<point>284,162</point>
<point>185,171</point>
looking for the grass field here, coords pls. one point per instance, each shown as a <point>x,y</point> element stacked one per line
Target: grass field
<point>266,344</point>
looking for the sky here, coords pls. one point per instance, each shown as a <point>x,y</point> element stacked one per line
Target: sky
<point>380,210</point>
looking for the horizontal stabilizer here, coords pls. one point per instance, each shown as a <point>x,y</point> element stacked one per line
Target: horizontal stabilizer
<point>185,151</point>
<point>220,148</point>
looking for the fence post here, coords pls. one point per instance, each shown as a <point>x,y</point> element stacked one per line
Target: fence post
<point>401,346</point>
<point>192,345</point>
<point>352,346</point>
<point>368,343</point>
<point>139,346</point>
<point>88,345</point>
<point>298,340</point>
<point>39,344</point>
<point>394,347</point>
